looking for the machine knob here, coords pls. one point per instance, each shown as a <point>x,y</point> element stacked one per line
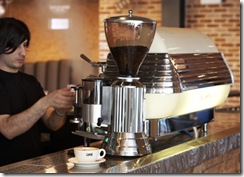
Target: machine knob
<point>99,121</point>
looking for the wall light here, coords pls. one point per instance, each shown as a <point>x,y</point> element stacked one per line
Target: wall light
<point>211,2</point>
<point>2,10</point>
<point>59,23</point>
<point>59,9</point>
<point>3,6</point>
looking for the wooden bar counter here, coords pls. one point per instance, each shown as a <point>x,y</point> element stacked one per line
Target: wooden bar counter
<point>218,152</point>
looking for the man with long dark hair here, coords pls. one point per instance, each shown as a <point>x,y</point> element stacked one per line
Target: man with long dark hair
<point>23,103</point>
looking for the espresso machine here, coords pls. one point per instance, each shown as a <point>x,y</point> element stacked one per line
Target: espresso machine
<point>155,82</point>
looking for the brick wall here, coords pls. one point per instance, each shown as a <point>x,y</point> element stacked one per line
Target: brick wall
<point>220,22</point>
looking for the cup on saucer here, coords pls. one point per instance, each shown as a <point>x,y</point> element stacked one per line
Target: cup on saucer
<point>89,154</point>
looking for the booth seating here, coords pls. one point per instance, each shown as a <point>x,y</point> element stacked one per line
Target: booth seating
<point>51,74</point>
<point>55,74</point>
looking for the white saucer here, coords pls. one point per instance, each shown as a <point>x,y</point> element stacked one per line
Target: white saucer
<point>77,169</point>
<point>86,164</point>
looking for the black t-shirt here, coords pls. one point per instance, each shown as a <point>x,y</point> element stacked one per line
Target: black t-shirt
<point>19,91</point>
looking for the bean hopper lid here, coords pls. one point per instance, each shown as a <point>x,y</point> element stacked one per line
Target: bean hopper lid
<point>129,39</point>
<point>129,18</point>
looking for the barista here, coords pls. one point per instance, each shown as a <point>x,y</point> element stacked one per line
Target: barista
<point>23,105</point>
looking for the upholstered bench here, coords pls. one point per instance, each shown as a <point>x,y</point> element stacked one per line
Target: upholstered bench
<point>57,74</point>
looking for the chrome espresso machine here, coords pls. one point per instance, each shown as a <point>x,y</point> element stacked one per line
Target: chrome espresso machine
<point>156,81</point>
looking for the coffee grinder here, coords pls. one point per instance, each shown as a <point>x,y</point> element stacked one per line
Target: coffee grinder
<point>129,39</point>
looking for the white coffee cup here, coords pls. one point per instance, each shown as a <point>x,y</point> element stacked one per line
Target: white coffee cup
<point>89,154</point>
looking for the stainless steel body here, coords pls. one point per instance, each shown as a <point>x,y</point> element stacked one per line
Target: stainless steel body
<point>127,106</point>
<point>127,136</point>
<point>92,103</point>
<point>128,144</point>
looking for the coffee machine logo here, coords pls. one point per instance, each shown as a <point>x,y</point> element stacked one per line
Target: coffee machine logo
<point>89,154</point>
<point>206,97</point>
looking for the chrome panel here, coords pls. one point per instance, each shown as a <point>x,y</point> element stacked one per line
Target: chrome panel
<point>175,73</point>
<point>201,70</point>
<point>127,144</point>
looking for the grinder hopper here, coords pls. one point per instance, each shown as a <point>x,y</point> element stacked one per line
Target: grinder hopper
<point>129,39</point>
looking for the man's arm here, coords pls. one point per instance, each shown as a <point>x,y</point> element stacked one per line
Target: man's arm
<point>14,125</point>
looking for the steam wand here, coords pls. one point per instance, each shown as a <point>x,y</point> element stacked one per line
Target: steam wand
<point>77,107</point>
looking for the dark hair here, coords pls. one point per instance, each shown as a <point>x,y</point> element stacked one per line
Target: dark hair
<point>12,33</point>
